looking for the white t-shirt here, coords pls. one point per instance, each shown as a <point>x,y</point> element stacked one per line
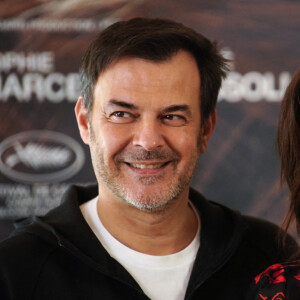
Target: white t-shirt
<point>160,277</point>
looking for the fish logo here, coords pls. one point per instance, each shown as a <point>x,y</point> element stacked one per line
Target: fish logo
<point>40,156</point>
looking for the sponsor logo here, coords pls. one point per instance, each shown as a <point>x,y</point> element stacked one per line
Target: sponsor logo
<point>40,156</point>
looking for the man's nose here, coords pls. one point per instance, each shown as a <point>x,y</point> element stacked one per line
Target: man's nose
<point>148,134</point>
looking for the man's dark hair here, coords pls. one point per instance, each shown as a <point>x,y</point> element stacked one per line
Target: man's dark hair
<point>156,40</point>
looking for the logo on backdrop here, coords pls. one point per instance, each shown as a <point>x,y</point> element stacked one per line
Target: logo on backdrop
<point>252,86</point>
<point>40,156</point>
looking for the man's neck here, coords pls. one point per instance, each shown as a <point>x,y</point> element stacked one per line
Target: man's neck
<point>161,233</point>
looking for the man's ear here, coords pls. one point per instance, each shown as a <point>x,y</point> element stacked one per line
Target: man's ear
<point>206,130</point>
<point>82,120</point>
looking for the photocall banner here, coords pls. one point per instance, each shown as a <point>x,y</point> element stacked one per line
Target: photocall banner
<point>41,45</point>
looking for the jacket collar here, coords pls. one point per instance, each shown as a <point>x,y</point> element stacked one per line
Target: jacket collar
<point>221,232</point>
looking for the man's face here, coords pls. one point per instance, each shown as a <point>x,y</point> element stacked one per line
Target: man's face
<point>144,130</point>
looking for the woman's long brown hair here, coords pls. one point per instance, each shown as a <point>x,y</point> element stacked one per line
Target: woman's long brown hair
<point>288,143</point>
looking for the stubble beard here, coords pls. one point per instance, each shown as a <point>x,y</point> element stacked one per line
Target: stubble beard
<point>157,200</point>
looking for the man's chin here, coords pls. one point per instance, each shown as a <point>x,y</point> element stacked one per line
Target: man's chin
<point>149,180</point>
<point>147,206</point>
<point>150,201</point>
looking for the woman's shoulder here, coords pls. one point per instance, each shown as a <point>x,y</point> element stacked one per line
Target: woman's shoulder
<point>278,273</point>
<point>279,281</point>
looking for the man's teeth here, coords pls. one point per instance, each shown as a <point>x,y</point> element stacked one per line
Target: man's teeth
<point>141,166</point>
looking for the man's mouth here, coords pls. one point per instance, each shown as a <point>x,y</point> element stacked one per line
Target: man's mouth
<point>147,166</point>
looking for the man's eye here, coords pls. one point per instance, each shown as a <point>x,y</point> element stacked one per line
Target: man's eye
<point>121,117</point>
<point>121,114</point>
<point>174,120</point>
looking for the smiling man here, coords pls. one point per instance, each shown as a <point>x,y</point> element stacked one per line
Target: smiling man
<point>147,111</point>
<point>144,129</point>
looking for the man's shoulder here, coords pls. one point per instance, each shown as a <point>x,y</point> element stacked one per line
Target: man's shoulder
<point>266,232</point>
<point>264,238</point>
<point>23,247</point>
<point>260,226</point>
<point>22,258</point>
<point>252,235</point>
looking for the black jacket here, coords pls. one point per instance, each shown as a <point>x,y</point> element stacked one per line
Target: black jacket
<point>58,256</point>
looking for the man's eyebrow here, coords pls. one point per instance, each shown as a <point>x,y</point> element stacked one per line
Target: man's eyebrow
<point>173,108</point>
<point>123,104</point>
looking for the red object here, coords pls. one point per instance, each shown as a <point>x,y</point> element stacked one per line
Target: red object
<point>274,277</point>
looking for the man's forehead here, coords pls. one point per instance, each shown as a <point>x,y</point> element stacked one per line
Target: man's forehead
<point>181,70</point>
<point>142,83</point>
<point>181,56</point>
